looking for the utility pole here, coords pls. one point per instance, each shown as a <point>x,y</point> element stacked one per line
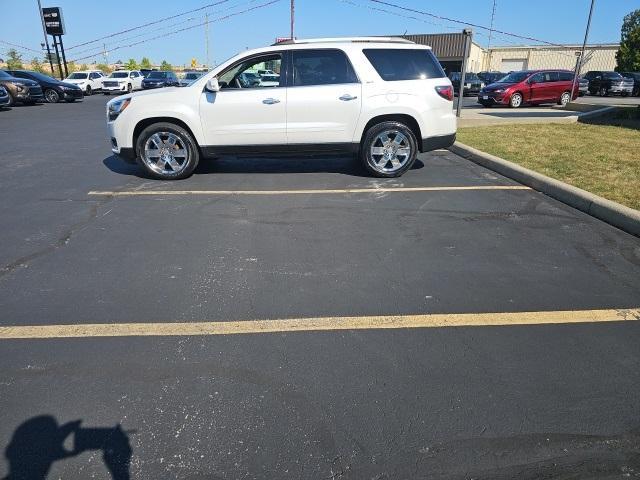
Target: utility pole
<point>46,39</point>
<point>206,30</point>
<point>105,54</point>
<point>468,35</point>
<point>493,16</point>
<point>584,46</point>
<point>293,8</point>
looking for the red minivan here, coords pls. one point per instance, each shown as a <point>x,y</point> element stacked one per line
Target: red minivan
<point>532,87</point>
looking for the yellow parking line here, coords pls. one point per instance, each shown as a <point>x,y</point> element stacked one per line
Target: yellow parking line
<point>317,324</point>
<point>135,193</point>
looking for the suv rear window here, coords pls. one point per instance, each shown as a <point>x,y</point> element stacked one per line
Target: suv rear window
<point>566,76</point>
<point>393,64</point>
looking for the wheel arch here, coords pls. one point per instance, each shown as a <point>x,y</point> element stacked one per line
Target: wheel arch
<point>408,120</point>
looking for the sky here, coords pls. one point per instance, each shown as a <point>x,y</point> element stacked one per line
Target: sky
<point>557,21</point>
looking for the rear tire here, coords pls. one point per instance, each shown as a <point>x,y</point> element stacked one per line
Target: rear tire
<point>388,149</point>
<point>565,98</point>
<point>516,100</point>
<point>167,151</point>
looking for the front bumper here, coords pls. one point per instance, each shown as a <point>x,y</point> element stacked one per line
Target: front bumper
<point>120,88</point>
<point>493,98</point>
<point>72,94</point>
<point>4,100</point>
<point>147,86</point>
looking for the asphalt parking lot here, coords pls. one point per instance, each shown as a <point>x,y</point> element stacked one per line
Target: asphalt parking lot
<point>87,241</point>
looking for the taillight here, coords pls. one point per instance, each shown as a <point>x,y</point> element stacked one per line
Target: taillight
<point>445,92</point>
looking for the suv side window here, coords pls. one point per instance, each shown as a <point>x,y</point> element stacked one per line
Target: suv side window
<point>321,67</point>
<point>245,73</point>
<point>393,64</point>
<point>551,77</point>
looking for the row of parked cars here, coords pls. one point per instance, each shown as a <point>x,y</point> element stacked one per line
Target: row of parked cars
<point>543,86</point>
<point>29,87</point>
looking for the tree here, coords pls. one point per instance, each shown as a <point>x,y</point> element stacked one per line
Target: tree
<point>628,57</point>
<point>165,66</point>
<point>14,60</point>
<point>145,63</point>
<point>36,65</point>
<point>103,67</point>
<point>131,64</point>
<point>71,66</point>
<point>84,67</point>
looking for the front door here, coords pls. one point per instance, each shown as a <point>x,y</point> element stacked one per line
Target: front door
<point>247,110</point>
<point>324,99</point>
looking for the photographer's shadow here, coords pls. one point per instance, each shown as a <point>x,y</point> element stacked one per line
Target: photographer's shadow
<point>39,442</point>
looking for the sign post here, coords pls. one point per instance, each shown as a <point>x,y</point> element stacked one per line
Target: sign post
<point>54,26</point>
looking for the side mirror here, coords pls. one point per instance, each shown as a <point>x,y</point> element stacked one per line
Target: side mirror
<point>212,85</point>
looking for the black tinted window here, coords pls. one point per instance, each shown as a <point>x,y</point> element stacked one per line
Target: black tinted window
<point>565,76</point>
<point>394,64</point>
<point>321,67</point>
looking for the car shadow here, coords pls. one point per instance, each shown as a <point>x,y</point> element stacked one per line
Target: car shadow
<point>280,165</point>
<point>40,441</point>
<point>525,114</point>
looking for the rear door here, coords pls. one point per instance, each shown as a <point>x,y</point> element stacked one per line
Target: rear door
<point>542,86</point>
<point>323,99</point>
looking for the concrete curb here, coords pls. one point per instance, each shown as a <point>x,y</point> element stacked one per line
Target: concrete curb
<point>613,213</point>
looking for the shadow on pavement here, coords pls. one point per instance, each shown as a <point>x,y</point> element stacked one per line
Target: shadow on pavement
<point>525,114</point>
<point>222,165</point>
<point>39,442</point>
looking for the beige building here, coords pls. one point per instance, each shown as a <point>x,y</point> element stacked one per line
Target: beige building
<point>506,59</point>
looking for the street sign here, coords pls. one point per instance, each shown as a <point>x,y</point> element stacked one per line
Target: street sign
<point>53,20</point>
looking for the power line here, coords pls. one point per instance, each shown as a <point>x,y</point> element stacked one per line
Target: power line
<point>154,22</point>
<point>219,19</point>
<point>20,47</point>
<point>461,22</point>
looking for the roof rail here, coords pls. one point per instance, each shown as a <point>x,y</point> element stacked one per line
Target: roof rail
<point>344,39</point>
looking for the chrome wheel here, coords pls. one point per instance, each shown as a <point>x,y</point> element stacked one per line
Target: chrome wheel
<point>565,99</point>
<point>516,100</point>
<point>165,153</point>
<point>51,96</point>
<point>390,151</point>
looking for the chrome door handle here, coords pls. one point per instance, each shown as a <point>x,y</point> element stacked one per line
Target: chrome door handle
<point>270,101</point>
<point>346,97</point>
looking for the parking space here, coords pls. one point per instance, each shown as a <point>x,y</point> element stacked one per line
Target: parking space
<point>270,239</point>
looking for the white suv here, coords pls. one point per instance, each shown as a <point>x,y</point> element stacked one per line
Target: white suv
<point>122,81</point>
<point>386,99</point>
<point>88,80</point>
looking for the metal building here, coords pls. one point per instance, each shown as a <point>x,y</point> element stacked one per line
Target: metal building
<point>449,48</point>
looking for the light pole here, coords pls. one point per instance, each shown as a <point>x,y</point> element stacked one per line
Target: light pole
<point>46,40</point>
<point>584,45</point>
<point>293,9</point>
<point>206,17</point>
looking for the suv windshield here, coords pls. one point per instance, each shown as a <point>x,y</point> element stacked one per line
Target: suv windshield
<point>157,75</point>
<point>612,76</point>
<point>119,75</point>
<point>514,77</point>
<point>77,76</point>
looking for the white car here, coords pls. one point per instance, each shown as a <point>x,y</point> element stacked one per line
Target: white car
<point>386,99</point>
<point>122,81</point>
<point>88,80</point>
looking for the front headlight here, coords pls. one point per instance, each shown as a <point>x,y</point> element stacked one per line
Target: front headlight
<point>116,107</point>
<point>20,87</point>
<point>499,90</point>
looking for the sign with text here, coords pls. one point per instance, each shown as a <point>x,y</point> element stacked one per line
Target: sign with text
<point>53,20</point>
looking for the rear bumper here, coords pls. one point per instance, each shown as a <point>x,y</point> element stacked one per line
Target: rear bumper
<point>440,141</point>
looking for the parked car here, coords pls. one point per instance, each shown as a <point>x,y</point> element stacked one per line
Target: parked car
<point>4,97</point>
<point>606,83</point>
<point>54,90</point>
<point>490,77</point>
<point>532,87</point>
<point>269,80</point>
<point>21,90</point>
<point>384,99</point>
<point>146,71</point>
<point>583,86</point>
<point>266,72</point>
<point>160,79</point>
<point>635,76</point>
<point>190,77</point>
<point>122,81</point>
<point>472,83</point>
<point>89,81</point>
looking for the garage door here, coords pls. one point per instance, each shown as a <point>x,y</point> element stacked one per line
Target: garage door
<point>514,64</point>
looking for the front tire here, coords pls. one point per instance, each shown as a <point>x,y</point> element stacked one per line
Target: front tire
<point>388,149</point>
<point>51,96</point>
<point>167,151</point>
<point>88,91</point>
<point>129,88</point>
<point>603,92</point>
<point>516,100</point>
